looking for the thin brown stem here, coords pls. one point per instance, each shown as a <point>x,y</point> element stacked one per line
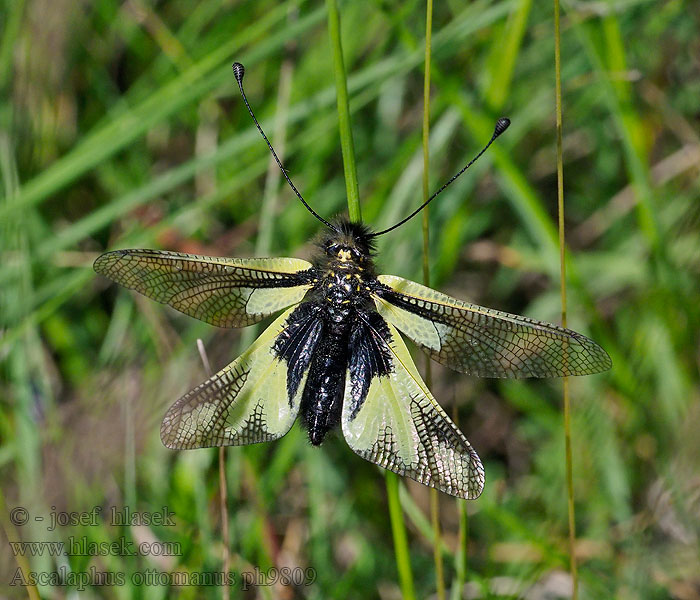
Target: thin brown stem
<point>434,494</point>
<point>225,553</point>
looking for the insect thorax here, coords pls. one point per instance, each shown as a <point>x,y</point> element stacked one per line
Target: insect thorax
<point>345,269</point>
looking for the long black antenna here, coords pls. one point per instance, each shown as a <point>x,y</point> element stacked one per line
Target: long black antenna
<point>238,73</point>
<point>501,125</point>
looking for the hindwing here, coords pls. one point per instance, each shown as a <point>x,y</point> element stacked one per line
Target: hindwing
<point>391,419</point>
<point>226,292</point>
<point>482,341</point>
<point>255,398</point>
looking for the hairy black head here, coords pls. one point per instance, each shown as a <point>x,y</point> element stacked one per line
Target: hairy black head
<point>351,242</point>
<point>357,235</point>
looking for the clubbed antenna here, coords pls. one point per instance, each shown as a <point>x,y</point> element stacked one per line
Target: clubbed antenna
<point>501,125</point>
<point>238,73</point>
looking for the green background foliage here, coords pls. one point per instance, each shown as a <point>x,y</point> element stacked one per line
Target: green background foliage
<point>121,126</point>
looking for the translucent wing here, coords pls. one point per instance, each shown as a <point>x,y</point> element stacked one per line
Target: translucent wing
<point>391,419</point>
<point>482,341</point>
<point>226,292</point>
<point>251,400</point>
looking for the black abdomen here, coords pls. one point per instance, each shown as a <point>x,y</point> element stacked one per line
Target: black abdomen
<point>322,401</point>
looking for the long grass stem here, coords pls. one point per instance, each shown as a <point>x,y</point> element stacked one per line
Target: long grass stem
<point>562,262</point>
<point>434,494</point>
<point>341,88</point>
<point>398,530</point>
<point>426,146</point>
<point>461,556</point>
<point>398,527</point>
<point>223,500</point>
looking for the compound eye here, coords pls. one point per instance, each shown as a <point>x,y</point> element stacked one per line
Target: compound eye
<point>332,248</point>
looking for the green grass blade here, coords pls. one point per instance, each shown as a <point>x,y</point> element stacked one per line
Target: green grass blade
<point>434,494</point>
<point>398,530</point>
<point>392,484</point>
<point>504,54</point>
<point>341,86</point>
<point>196,82</point>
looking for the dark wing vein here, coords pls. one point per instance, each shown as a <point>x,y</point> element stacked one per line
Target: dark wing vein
<point>482,341</point>
<point>398,425</point>
<point>226,292</point>
<point>246,402</point>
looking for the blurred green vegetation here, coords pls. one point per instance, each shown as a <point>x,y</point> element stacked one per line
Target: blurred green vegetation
<point>121,126</point>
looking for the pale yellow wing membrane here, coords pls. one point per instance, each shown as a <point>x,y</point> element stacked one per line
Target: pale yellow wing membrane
<point>482,341</point>
<point>226,292</point>
<point>244,403</point>
<point>401,427</point>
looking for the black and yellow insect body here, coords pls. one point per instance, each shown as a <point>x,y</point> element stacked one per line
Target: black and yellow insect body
<point>335,357</point>
<point>338,307</point>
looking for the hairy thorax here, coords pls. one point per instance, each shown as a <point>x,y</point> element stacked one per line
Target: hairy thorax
<point>345,273</point>
<point>343,289</point>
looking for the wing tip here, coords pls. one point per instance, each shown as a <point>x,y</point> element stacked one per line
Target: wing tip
<point>468,495</point>
<point>598,361</point>
<point>99,265</point>
<point>168,432</point>
<point>607,361</point>
<point>165,437</point>
<point>477,468</point>
<point>470,491</point>
<point>463,493</point>
<point>103,261</point>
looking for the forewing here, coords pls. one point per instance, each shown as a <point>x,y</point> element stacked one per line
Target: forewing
<point>249,401</point>
<point>226,292</point>
<point>398,424</point>
<point>482,341</point>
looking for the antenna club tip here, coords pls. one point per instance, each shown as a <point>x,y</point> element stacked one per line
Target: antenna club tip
<point>238,71</point>
<point>501,125</point>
